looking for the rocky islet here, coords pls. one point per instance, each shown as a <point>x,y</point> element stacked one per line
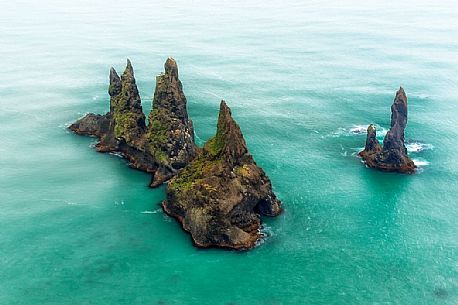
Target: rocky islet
<point>217,193</point>
<point>392,156</point>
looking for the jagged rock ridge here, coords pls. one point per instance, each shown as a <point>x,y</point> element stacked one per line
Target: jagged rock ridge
<point>162,147</point>
<point>393,155</point>
<point>218,197</point>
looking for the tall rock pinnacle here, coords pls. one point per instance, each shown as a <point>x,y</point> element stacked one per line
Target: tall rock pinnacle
<point>228,141</point>
<point>168,94</point>
<point>126,106</point>
<point>115,83</point>
<point>393,155</point>
<point>170,134</point>
<point>393,145</point>
<point>218,196</point>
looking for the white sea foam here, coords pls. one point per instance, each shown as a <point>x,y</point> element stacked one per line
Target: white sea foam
<point>65,125</point>
<point>117,154</point>
<point>151,212</point>
<point>266,231</point>
<point>423,96</point>
<point>415,147</point>
<point>259,241</point>
<point>355,151</point>
<point>420,162</point>
<point>381,131</point>
<point>358,129</point>
<point>339,132</point>
<point>343,152</point>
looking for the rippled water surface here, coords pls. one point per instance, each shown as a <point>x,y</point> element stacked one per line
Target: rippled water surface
<point>304,79</point>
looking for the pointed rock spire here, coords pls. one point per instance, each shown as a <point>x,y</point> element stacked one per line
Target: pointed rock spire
<point>129,89</point>
<point>126,106</point>
<point>229,140</point>
<point>399,109</point>
<point>170,132</point>
<point>372,144</point>
<point>168,94</point>
<point>394,139</point>
<point>129,69</point>
<point>115,83</point>
<point>171,68</point>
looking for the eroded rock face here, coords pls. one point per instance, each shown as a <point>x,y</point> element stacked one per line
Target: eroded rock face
<point>162,147</point>
<point>393,156</point>
<point>372,144</point>
<point>218,197</point>
<point>170,134</point>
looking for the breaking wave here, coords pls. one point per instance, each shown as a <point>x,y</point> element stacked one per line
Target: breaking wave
<point>416,147</point>
<point>152,212</point>
<point>117,154</point>
<point>358,130</point>
<point>420,162</point>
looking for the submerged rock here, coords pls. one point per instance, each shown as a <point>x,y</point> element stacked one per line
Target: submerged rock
<point>218,197</point>
<point>162,147</point>
<point>393,156</point>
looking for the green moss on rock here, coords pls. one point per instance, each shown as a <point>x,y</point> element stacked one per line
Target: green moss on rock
<point>243,171</point>
<point>214,146</point>
<point>124,122</point>
<point>159,126</point>
<point>194,173</point>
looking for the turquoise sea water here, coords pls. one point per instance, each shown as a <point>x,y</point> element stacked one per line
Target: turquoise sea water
<point>79,227</point>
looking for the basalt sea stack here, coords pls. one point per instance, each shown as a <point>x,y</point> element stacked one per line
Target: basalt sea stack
<point>393,155</point>
<point>218,197</point>
<point>163,146</point>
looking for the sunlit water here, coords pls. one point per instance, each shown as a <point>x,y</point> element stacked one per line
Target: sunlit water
<point>304,79</point>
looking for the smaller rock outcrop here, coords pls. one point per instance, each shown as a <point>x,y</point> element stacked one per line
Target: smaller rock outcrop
<point>372,146</point>
<point>218,197</point>
<point>162,147</point>
<point>393,156</point>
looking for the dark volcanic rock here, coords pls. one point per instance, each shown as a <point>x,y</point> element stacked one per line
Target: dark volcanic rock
<point>372,144</point>
<point>218,197</point>
<point>162,147</point>
<point>393,155</point>
<point>170,134</point>
<point>91,125</point>
<point>126,107</point>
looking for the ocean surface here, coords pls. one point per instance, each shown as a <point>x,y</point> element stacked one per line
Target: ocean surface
<point>303,79</point>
